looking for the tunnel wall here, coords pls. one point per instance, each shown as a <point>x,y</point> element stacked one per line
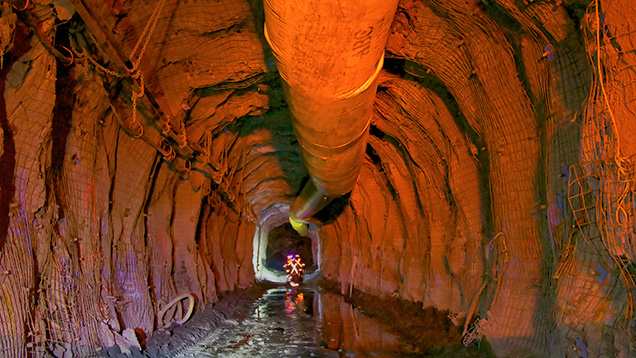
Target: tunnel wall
<point>416,208</point>
<point>497,183</point>
<point>531,255</point>
<point>101,225</point>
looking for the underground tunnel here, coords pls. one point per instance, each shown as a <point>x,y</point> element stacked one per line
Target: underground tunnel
<point>456,175</point>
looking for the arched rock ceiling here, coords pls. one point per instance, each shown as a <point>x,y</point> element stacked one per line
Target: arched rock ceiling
<point>490,118</point>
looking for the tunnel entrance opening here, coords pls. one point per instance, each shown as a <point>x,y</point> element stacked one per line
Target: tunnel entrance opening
<point>274,239</point>
<point>284,240</point>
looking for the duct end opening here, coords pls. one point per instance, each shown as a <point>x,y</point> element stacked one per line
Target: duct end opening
<point>274,239</point>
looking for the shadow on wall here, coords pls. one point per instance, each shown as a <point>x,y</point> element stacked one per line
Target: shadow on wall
<point>7,147</point>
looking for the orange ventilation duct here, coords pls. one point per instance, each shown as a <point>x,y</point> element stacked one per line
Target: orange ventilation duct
<point>329,54</point>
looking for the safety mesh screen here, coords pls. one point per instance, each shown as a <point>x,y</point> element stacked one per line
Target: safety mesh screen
<point>498,181</point>
<point>79,256</point>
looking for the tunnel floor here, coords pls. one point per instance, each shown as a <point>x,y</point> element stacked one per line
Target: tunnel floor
<point>306,323</point>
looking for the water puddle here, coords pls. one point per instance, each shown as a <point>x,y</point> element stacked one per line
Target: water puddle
<point>306,323</point>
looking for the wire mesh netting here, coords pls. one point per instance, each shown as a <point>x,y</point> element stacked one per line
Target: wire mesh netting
<point>597,259</point>
<point>74,267</point>
<point>97,238</point>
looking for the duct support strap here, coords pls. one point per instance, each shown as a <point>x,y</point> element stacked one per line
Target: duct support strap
<point>329,55</point>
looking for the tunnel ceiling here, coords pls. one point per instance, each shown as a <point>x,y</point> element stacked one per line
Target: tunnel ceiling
<point>143,139</point>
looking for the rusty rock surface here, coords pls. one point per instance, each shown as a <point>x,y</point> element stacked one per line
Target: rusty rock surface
<point>498,181</point>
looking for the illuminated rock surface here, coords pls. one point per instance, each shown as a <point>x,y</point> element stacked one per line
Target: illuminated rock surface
<point>497,183</point>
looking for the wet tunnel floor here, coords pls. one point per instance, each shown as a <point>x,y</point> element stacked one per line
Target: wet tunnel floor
<point>307,323</point>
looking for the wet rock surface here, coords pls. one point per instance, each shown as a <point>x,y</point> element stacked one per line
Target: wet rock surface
<point>498,182</point>
<point>278,325</point>
<point>281,323</point>
<point>173,339</point>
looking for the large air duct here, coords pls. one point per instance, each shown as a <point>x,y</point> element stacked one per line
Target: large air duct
<point>329,54</point>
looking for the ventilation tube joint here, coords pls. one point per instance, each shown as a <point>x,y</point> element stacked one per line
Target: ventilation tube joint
<point>310,201</point>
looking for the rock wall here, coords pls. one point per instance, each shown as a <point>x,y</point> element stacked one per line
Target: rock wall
<point>497,182</point>
<point>104,220</point>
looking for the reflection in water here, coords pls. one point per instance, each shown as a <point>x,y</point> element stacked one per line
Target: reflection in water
<point>341,327</point>
<point>297,301</point>
<point>345,328</point>
<point>303,323</point>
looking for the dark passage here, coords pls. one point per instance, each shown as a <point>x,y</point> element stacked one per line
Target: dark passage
<point>283,241</point>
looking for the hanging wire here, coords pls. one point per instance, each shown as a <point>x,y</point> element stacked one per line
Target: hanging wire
<point>134,71</point>
<point>135,97</point>
<point>600,76</point>
<point>184,136</point>
<point>72,56</point>
<point>145,37</point>
<point>86,55</point>
<point>166,149</point>
<point>167,128</point>
<point>28,2</point>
